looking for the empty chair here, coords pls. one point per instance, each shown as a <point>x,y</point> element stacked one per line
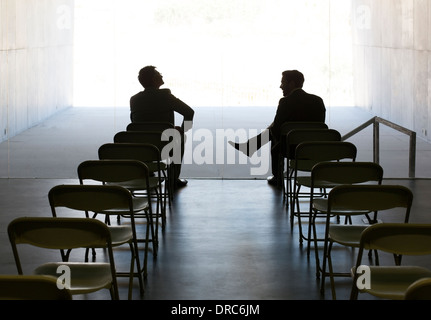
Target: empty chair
<point>396,282</point>
<point>108,200</point>
<point>296,137</point>
<point>327,175</point>
<point>64,234</point>
<point>353,200</point>
<point>169,147</point>
<point>307,155</point>
<point>286,154</point>
<point>31,287</point>
<point>144,152</point>
<point>419,290</point>
<point>131,174</point>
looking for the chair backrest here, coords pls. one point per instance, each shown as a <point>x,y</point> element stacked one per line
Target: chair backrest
<point>147,153</point>
<point>95,198</point>
<point>288,126</point>
<point>308,154</point>
<point>398,238</point>
<point>149,126</point>
<point>112,171</point>
<point>419,290</point>
<point>346,173</point>
<point>370,197</point>
<point>34,287</point>
<point>58,233</point>
<point>159,139</point>
<point>298,136</point>
<point>326,151</point>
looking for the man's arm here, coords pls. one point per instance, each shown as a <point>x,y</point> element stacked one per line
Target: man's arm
<point>186,111</point>
<point>279,119</point>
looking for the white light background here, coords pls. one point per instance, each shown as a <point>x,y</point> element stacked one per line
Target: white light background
<point>212,52</point>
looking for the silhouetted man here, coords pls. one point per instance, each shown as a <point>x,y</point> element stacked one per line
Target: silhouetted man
<point>159,105</point>
<point>295,106</point>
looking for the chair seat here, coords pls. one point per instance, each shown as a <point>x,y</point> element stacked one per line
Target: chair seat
<point>82,275</point>
<point>139,184</point>
<point>321,205</point>
<point>139,204</point>
<point>347,235</point>
<point>121,235</point>
<point>306,181</point>
<point>391,282</point>
<point>31,287</point>
<point>153,166</point>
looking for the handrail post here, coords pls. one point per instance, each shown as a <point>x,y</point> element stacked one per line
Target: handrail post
<point>412,156</point>
<point>376,138</point>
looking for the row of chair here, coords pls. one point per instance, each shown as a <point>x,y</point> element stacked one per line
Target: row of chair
<point>124,184</point>
<point>340,187</point>
<point>128,181</point>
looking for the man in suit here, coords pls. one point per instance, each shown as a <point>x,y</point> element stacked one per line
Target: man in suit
<point>295,106</point>
<point>159,105</point>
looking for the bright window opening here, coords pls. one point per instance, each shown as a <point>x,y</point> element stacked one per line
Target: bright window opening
<point>212,53</point>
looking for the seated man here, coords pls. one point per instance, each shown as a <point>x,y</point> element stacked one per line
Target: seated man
<point>158,105</point>
<point>296,106</point>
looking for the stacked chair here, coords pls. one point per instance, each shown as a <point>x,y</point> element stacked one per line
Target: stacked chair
<point>132,180</point>
<point>31,287</point>
<point>156,133</point>
<point>395,282</point>
<point>287,151</point>
<point>62,234</point>
<point>159,140</point>
<point>327,175</point>
<point>107,200</point>
<point>351,199</point>
<point>307,156</point>
<point>355,201</point>
<point>148,155</point>
<point>129,181</point>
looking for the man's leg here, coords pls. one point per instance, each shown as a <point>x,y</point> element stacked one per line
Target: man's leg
<point>276,180</point>
<point>178,183</point>
<point>253,144</point>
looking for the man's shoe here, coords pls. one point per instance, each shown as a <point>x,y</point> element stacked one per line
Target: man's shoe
<point>181,183</point>
<point>273,181</point>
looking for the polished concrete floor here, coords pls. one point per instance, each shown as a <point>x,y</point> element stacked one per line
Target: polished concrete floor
<point>225,239</point>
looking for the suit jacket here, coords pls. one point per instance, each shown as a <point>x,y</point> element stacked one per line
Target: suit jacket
<point>299,106</point>
<point>158,105</point>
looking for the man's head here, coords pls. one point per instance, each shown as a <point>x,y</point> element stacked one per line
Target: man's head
<point>149,77</point>
<point>291,80</point>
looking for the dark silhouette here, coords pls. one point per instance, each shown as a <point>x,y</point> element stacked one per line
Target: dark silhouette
<point>159,105</point>
<point>295,106</point>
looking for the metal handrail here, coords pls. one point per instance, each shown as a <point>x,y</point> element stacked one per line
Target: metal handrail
<point>376,121</point>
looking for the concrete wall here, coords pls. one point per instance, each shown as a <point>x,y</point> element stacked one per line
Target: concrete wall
<point>392,61</point>
<point>36,62</point>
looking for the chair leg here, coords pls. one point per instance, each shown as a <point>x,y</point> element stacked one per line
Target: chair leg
<point>309,235</point>
<point>135,259</point>
<point>331,272</point>
<point>324,261</point>
<point>316,249</point>
<point>131,273</point>
<point>296,205</point>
